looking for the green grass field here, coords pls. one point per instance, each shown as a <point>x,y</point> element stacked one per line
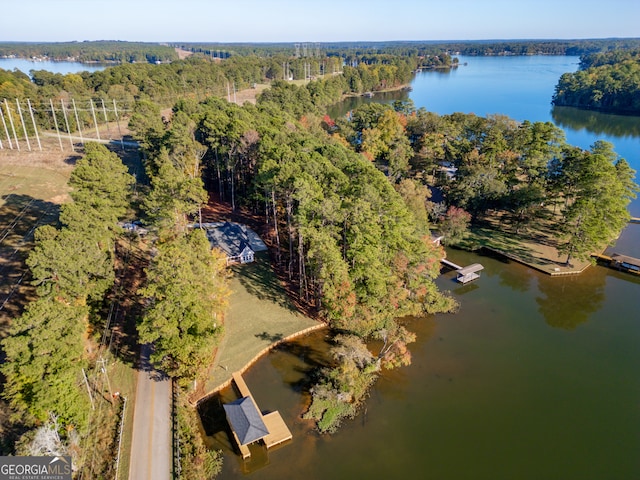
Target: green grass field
<point>536,247</point>
<point>259,315</point>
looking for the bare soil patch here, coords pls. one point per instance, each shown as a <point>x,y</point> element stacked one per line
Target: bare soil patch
<point>182,54</point>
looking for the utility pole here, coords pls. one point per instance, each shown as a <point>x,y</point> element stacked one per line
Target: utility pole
<point>13,128</point>
<point>75,111</point>
<point>35,128</point>
<point>86,382</point>
<point>66,121</point>
<point>106,119</point>
<point>103,367</point>
<point>55,121</point>
<point>6,130</point>
<point>24,127</point>
<point>95,122</point>
<point>115,111</point>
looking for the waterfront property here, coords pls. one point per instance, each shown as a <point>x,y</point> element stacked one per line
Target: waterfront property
<point>249,425</point>
<point>237,241</point>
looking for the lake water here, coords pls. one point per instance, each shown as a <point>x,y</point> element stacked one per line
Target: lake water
<point>26,66</point>
<point>535,378</point>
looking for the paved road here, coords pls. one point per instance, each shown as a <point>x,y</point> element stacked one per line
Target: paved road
<point>151,456</point>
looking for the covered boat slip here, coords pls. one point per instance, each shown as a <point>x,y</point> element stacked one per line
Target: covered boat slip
<point>467,274</point>
<point>626,263</point>
<point>249,425</point>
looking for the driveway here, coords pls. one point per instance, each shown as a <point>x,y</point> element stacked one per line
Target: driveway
<point>151,452</point>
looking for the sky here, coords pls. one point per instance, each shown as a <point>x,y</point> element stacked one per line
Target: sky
<point>314,20</point>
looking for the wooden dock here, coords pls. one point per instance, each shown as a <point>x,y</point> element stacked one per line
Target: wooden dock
<point>634,220</point>
<point>450,264</point>
<point>465,274</point>
<point>278,430</point>
<point>623,263</point>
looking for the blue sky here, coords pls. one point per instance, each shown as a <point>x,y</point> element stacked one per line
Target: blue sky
<point>315,21</point>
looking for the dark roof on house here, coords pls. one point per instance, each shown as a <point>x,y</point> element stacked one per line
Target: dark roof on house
<point>246,420</point>
<point>233,238</point>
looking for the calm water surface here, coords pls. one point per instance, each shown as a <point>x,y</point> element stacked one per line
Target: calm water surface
<point>535,378</point>
<point>26,66</point>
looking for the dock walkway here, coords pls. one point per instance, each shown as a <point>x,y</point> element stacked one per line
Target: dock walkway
<point>465,274</point>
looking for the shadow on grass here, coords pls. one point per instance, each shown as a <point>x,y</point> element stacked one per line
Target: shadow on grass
<point>20,216</point>
<point>260,281</point>
<point>270,337</point>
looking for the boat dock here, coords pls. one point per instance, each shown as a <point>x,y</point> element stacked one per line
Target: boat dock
<point>465,274</point>
<point>620,262</point>
<point>634,220</point>
<point>249,425</point>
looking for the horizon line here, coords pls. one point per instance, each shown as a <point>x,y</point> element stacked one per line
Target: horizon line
<point>280,42</point>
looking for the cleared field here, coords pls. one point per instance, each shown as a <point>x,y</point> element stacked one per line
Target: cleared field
<point>33,185</point>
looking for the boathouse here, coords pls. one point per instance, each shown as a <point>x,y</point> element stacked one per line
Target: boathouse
<point>469,273</point>
<point>249,425</point>
<point>245,420</point>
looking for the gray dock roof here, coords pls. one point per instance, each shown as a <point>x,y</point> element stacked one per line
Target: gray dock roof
<point>473,268</point>
<point>246,420</point>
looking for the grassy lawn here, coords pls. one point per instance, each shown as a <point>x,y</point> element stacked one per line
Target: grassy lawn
<point>123,378</point>
<point>535,247</point>
<point>259,315</point>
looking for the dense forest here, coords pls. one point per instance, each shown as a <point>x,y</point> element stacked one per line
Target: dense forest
<point>347,203</point>
<point>608,82</point>
<point>52,345</point>
<point>136,52</point>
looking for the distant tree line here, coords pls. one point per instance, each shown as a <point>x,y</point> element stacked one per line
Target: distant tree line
<point>137,52</point>
<point>92,52</point>
<point>420,48</point>
<point>608,82</point>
